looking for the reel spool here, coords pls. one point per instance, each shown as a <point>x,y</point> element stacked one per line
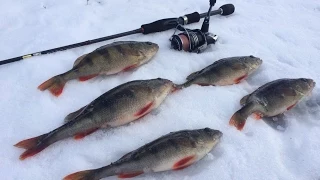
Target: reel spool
<point>194,40</point>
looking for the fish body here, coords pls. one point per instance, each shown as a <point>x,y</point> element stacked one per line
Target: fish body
<point>174,151</point>
<point>225,71</point>
<point>119,106</point>
<point>109,59</point>
<point>272,99</point>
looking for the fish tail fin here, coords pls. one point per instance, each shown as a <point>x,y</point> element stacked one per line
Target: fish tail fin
<point>32,146</point>
<point>54,85</point>
<point>239,118</point>
<point>94,174</point>
<point>81,175</point>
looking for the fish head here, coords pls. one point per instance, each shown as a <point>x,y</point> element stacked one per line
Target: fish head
<point>253,62</point>
<point>304,85</point>
<point>148,49</point>
<point>211,135</point>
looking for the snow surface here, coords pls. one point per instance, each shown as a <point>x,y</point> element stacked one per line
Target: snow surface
<point>284,33</point>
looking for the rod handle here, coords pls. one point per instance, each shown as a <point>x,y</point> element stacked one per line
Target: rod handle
<point>160,25</point>
<point>169,23</point>
<point>227,9</point>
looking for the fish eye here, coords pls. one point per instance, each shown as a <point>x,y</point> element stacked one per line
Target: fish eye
<point>149,43</point>
<point>251,56</point>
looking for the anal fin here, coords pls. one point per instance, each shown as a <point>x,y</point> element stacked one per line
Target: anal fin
<point>130,175</point>
<point>129,67</point>
<point>84,134</point>
<point>203,84</point>
<point>85,78</point>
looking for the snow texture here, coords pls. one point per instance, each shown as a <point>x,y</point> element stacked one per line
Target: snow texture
<point>284,33</point>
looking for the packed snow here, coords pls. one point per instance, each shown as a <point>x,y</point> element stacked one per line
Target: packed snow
<point>285,34</point>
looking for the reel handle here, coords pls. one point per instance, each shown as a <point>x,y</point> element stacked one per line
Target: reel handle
<point>169,23</point>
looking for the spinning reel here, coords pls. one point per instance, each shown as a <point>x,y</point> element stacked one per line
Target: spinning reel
<point>195,40</point>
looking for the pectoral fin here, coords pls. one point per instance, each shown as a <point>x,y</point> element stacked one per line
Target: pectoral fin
<point>278,122</point>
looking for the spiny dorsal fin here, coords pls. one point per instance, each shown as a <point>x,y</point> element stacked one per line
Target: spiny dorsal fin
<point>115,43</point>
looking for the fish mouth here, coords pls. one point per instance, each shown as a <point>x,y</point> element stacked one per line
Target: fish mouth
<point>255,61</point>
<point>311,83</point>
<point>155,47</point>
<point>258,62</point>
<point>219,133</point>
<point>215,133</point>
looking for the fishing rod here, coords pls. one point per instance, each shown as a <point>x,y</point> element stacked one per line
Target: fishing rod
<point>157,26</point>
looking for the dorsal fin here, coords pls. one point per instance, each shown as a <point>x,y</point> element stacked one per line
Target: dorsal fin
<point>243,100</point>
<point>115,43</point>
<point>78,60</point>
<point>192,75</point>
<point>78,113</point>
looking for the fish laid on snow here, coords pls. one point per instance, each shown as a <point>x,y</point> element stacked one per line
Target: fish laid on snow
<point>272,99</point>
<point>109,59</point>
<point>174,151</point>
<point>116,107</point>
<point>225,71</point>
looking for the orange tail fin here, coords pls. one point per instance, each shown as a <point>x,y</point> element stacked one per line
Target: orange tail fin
<point>238,121</point>
<point>81,175</point>
<point>33,146</point>
<point>239,118</point>
<point>54,85</point>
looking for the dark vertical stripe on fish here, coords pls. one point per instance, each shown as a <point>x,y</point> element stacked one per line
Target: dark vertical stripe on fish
<point>153,150</point>
<point>131,45</point>
<point>89,61</point>
<point>104,53</point>
<point>120,50</point>
<point>173,143</point>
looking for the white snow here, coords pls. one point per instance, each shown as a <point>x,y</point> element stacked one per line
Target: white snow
<point>284,33</point>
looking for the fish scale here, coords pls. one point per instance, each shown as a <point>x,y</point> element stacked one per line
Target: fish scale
<point>173,151</point>
<point>272,99</point>
<point>114,108</point>
<point>225,71</point>
<point>109,59</point>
